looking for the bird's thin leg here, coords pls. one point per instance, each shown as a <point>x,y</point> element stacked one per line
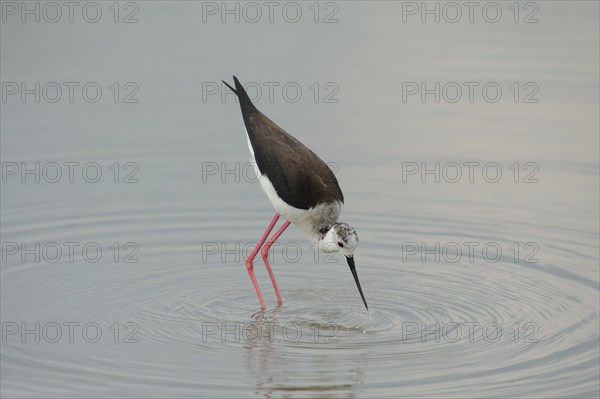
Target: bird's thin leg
<point>250,258</point>
<point>265,255</point>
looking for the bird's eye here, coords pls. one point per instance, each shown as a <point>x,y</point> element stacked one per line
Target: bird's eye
<point>341,245</point>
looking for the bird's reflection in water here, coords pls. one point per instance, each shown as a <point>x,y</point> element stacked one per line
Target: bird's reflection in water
<point>291,359</point>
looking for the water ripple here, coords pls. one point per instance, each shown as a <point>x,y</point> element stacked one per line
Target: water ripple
<point>452,322</point>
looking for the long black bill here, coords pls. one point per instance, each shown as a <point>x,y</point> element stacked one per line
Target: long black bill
<point>350,260</point>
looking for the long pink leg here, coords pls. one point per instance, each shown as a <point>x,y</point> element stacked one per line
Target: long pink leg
<point>265,255</point>
<point>250,258</point>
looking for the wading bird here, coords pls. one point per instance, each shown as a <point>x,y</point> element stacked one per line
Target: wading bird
<point>301,188</point>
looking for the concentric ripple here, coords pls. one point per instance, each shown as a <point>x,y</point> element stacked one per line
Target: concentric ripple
<point>435,326</point>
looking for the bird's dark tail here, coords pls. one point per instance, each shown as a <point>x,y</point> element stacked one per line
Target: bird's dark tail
<point>245,102</point>
<point>230,88</point>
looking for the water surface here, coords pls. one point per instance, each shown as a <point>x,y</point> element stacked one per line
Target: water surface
<point>483,285</point>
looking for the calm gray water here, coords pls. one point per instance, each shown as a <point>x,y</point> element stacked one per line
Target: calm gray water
<point>467,150</point>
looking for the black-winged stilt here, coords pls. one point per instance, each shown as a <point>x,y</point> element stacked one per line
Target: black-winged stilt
<point>301,188</point>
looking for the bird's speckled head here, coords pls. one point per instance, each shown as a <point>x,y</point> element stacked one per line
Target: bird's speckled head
<point>340,237</point>
<point>343,238</point>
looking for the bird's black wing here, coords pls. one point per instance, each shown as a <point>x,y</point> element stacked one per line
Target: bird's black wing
<point>298,175</point>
